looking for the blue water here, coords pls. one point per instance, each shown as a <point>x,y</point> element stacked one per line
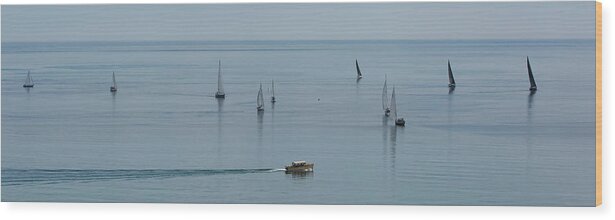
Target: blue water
<point>163,137</point>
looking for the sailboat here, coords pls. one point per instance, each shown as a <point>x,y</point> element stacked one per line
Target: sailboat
<point>359,75</point>
<point>260,102</point>
<point>114,86</point>
<point>451,79</point>
<point>531,75</point>
<point>398,121</point>
<point>220,92</point>
<point>385,99</point>
<point>29,82</point>
<point>272,92</point>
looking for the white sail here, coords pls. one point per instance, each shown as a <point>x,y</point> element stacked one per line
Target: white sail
<point>260,102</point>
<point>29,81</point>
<point>394,105</point>
<point>385,96</point>
<point>220,87</point>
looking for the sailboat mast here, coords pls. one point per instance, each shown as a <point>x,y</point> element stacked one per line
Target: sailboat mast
<point>394,104</point>
<point>220,88</point>
<point>356,62</point>
<point>114,84</point>
<point>259,97</point>
<point>28,83</point>
<point>385,98</point>
<point>272,89</point>
<point>28,78</point>
<point>531,75</point>
<point>451,79</point>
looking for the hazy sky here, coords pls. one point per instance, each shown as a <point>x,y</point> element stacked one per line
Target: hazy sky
<point>520,20</point>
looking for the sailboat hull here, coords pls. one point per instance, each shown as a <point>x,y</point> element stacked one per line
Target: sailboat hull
<point>219,96</point>
<point>28,86</point>
<point>387,112</point>
<point>113,89</point>
<point>260,109</point>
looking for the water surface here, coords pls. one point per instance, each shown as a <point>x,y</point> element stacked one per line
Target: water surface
<point>163,137</point>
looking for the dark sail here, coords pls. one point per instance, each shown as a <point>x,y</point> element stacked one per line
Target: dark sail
<point>531,75</point>
<point>451,79</point>
<point>359,75</point>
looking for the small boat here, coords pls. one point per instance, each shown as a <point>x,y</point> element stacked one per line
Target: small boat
<point>272,93</point>
<point>114,86</point>
<point>531,75</point>
<point>260,103</point>
<point>220,92</point>
<point>29,82</point>
<point>300,166</point>
<point>385,98</point>
<point>398,121</point>
<point>359,75</point>
<point>451,79</point>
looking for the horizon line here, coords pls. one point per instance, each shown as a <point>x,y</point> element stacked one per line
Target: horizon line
<point>305,40</point>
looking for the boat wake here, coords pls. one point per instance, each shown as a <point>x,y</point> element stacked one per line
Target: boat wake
<point>12,177</point>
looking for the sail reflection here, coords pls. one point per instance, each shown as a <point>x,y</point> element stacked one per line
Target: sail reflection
<point>259,122</point>
<point>530,99</point>
<point>529,142</point>
<point>385,135</point>
<point>272,122</point>
<point>449,127</point>
<point>113,104</point>
<point>393,146</point>
<point>220,111</point>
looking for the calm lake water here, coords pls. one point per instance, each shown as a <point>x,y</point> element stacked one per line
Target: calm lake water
<point>163,137</point>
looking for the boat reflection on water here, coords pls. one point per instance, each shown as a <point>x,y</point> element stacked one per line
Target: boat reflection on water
<point>259,129</point>
<point>385,132</point>
<point>259,121</point>
<point>393,134</point>
<point>299,175</point>
<point>220,110</point>
<point>529,142</point>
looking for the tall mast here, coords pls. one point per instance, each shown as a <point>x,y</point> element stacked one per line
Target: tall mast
<point>385,96</point>
<point>259,98</point>
<point>451,79</point>
<point>220,88</point>
<point>114,84</point>
<point>531,75</point>
<point>359,75</point>
<point>394,105</point>
<point>28,78</point>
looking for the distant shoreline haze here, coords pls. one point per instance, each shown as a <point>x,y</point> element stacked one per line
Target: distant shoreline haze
<point>297,21</point>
